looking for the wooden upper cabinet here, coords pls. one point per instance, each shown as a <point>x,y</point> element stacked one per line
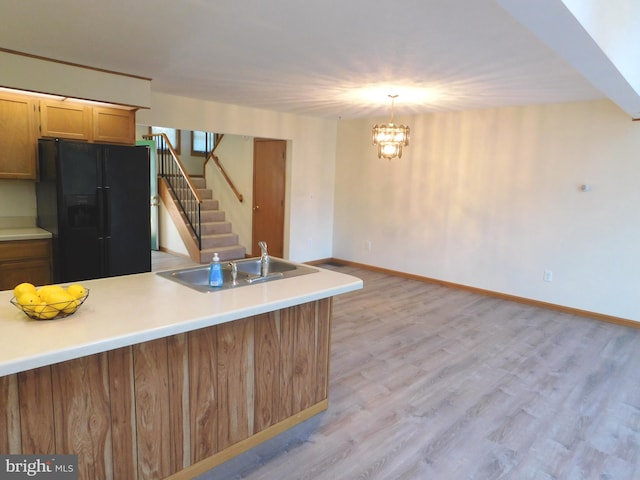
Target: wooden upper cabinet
<point>78,121</point>
<point>63,119</point>
<point>114,125</point>
<point>18,137</point>
<point>23,118</point>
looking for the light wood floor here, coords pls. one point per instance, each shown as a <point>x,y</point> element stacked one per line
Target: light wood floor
<point>434,383</point>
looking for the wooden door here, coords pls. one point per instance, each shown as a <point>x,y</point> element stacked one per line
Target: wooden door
<point>269,173</point>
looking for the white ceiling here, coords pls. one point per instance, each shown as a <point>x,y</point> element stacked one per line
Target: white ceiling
<point>329,58</point>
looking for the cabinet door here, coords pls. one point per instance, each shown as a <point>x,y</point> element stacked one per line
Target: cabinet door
<point>36,272</point>
<point>65,120</point>
<point>25,261</point>
<point>17,137</point>
<point>114,125</point>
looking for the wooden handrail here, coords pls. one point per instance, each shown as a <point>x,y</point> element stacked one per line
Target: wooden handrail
<point>217,137</point>
<point>216,160</point>
<point>178,162</point>
<point>226,177</point>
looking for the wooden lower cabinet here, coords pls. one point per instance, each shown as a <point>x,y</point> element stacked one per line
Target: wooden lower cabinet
<point>177,406</point>
<point>25,261</point>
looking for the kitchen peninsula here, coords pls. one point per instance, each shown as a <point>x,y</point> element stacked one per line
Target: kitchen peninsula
<point>150,379</point>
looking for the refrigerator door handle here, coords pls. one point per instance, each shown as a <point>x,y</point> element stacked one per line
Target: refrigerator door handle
<point>107,211</point>
<point>101,219</point>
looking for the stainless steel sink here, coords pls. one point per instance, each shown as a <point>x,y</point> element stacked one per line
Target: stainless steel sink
<point>249,271</point>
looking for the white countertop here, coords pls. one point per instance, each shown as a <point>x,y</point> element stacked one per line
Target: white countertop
<point>23,233</point>
<point>122,311</point>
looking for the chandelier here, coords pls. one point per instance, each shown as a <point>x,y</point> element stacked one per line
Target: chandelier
<point>390,138</point>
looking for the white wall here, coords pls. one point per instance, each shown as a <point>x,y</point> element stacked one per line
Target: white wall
<point>17,203</point>
<point>491,199</point>
<point>310,168</point>
<point>168,234</point>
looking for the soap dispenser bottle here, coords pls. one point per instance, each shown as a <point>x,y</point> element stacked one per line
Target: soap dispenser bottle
<point>215,272</point>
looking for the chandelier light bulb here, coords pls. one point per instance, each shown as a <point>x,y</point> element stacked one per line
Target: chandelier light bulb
<point>390,138</point>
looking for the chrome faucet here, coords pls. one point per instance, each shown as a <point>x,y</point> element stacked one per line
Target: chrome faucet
<point>264,259</point>
<point>234,273</point>
<point>264,256</point>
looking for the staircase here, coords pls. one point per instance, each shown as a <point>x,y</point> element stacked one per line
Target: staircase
<point>190,204</point>
<point>216,234</point>
<point>216,231</point>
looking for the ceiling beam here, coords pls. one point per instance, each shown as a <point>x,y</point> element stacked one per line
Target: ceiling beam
<point>558,28</point>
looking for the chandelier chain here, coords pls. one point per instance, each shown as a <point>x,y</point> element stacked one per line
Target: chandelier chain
<point>393,98</point>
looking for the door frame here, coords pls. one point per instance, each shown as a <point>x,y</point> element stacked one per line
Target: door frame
<point>154,199</point>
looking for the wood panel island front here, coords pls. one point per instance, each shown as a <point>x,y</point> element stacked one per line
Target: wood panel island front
<point>150,379</point>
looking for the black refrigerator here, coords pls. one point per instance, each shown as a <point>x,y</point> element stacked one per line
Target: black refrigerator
<point>95,200</point>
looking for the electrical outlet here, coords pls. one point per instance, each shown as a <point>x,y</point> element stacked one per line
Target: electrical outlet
<point>368,245</point>
<point>548,276</point>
